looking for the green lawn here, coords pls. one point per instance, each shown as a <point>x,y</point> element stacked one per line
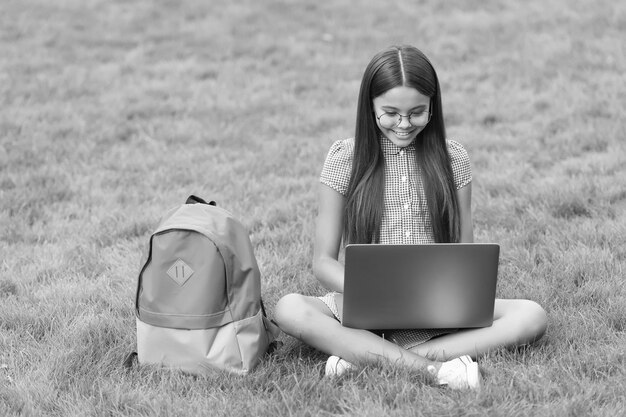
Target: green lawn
<point>114,111</point>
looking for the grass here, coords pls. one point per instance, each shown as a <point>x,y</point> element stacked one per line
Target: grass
<point>113,112</point>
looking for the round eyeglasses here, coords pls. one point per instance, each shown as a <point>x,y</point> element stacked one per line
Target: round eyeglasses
<point>389,120</point>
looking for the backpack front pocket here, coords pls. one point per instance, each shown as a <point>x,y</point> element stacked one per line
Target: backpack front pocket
<point>183,284</point>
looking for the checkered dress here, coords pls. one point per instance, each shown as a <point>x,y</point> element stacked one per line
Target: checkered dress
<point>406,219</point>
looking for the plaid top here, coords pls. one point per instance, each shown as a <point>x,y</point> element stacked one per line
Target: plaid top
<point>406,219</point>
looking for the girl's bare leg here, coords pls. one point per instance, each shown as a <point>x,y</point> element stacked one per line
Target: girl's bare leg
<point>516,322</point>
<point>309,320</point>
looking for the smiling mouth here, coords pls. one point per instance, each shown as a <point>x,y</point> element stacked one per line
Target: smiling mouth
<point>402,134</point>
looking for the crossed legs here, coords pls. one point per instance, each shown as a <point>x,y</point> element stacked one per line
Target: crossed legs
<point>516,322</point>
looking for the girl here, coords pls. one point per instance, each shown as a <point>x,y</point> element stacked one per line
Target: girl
<point>398,181</point>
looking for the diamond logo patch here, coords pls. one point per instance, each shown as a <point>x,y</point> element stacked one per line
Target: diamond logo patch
<point>180,272</point>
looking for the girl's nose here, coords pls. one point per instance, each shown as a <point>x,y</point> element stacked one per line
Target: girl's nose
<point>404,123</point>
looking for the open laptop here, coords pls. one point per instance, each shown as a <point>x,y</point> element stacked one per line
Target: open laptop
<point>420,286</point>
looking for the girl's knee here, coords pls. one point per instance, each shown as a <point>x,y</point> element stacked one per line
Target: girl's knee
<point>540,319</point>
<point>533,320</point>
<point>290,309</point>
<point>524,321</point>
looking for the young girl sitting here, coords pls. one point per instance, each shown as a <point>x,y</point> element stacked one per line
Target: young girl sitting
<point>398,181</point>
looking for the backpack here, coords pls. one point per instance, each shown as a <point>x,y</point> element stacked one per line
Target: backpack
<point>198,304</point>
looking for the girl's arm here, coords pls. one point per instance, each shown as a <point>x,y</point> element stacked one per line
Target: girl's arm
<point>464,197</point>
<point>328,231</point>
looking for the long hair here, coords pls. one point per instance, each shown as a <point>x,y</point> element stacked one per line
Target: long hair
<point>394,67</point>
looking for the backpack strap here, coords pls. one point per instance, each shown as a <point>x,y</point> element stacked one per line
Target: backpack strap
<point>192,199</point>
<point>265,314</point>
<point>130,361</point>
<point>272,328</point>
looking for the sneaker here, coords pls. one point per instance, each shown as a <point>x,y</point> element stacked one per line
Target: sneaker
<point>335,366</point>
<point>459,373</point>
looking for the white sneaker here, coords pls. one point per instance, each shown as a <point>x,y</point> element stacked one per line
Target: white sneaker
<point>335,366</point>
<point>459,373</point>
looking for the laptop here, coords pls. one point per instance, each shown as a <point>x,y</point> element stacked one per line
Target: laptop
<point>432,286</point>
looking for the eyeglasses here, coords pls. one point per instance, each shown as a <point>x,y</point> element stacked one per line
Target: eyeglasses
<point>391,120</point>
